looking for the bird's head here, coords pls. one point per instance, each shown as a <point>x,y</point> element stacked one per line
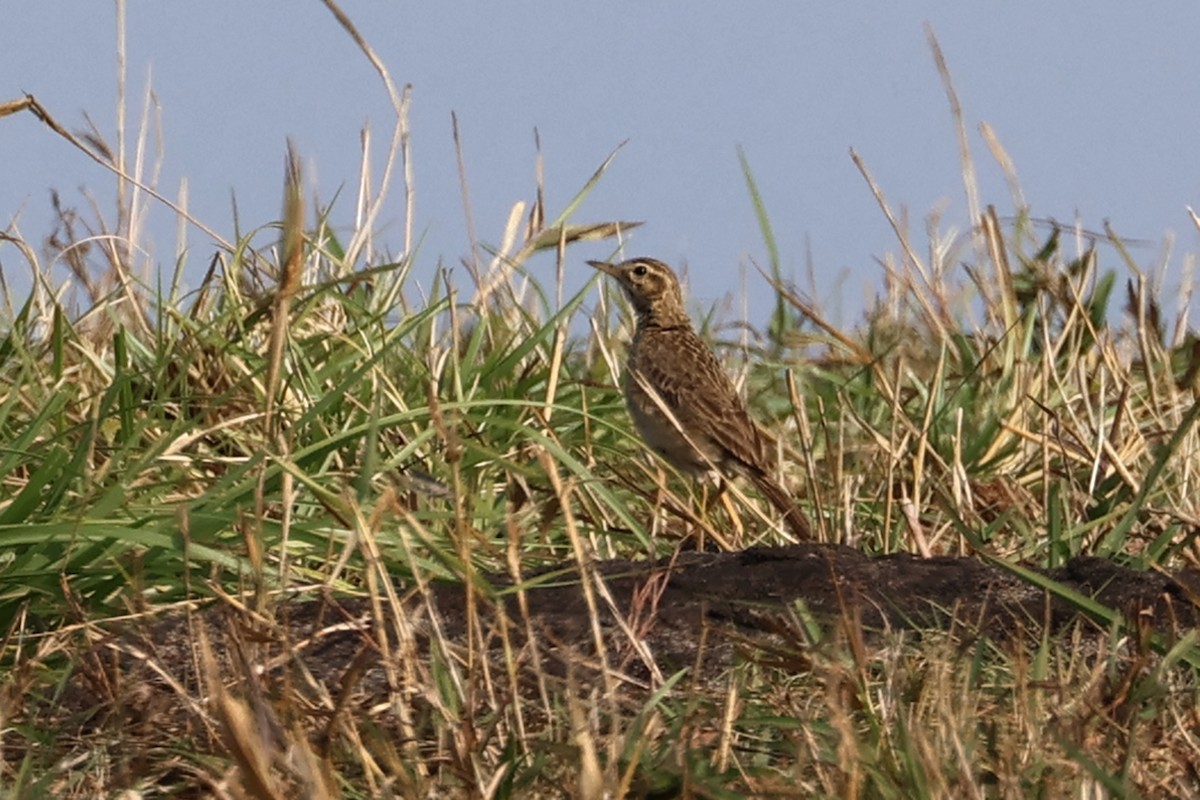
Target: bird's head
<point>650,284</point>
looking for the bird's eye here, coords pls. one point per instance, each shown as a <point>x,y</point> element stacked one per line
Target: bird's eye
<point>640,270</point>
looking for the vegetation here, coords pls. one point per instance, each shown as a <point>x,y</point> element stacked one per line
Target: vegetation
<point>306,421</point>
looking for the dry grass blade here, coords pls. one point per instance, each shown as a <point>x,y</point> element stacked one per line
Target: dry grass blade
<point>562,235</point>
<point>248,744</point>
<point>966,164</point>
<point>14,106</point>
<point>31,104</point>
<point>538,238</point>
<point>291,254</point>
<point>400,101</point>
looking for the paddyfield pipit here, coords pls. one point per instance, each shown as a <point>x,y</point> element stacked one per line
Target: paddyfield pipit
<point>682,402</point>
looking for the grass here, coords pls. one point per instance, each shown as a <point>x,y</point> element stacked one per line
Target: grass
<point>304,422</point>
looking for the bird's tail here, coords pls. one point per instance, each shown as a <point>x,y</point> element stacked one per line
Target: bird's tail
<point>779,497</point>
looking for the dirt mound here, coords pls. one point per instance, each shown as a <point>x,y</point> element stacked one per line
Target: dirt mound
<point>695,610</point>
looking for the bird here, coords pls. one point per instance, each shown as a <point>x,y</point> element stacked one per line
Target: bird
<point>683,404</point>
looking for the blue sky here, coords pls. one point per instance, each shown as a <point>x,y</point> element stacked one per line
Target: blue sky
<point>1096,103</point>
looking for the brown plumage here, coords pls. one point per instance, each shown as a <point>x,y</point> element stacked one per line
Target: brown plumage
<point>667,358</point>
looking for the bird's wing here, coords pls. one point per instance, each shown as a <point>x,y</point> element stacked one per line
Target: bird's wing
<point>694,386</point>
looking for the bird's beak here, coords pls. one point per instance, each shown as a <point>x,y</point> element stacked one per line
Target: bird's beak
<point>605,267</point>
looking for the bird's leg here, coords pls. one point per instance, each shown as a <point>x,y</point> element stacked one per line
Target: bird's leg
<point>661,492</point>
<point>721,493</point>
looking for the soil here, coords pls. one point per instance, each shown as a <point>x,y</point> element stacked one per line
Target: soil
<point>699,610</point>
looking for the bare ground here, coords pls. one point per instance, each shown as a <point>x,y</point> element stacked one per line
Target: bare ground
<point>698,610</point>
